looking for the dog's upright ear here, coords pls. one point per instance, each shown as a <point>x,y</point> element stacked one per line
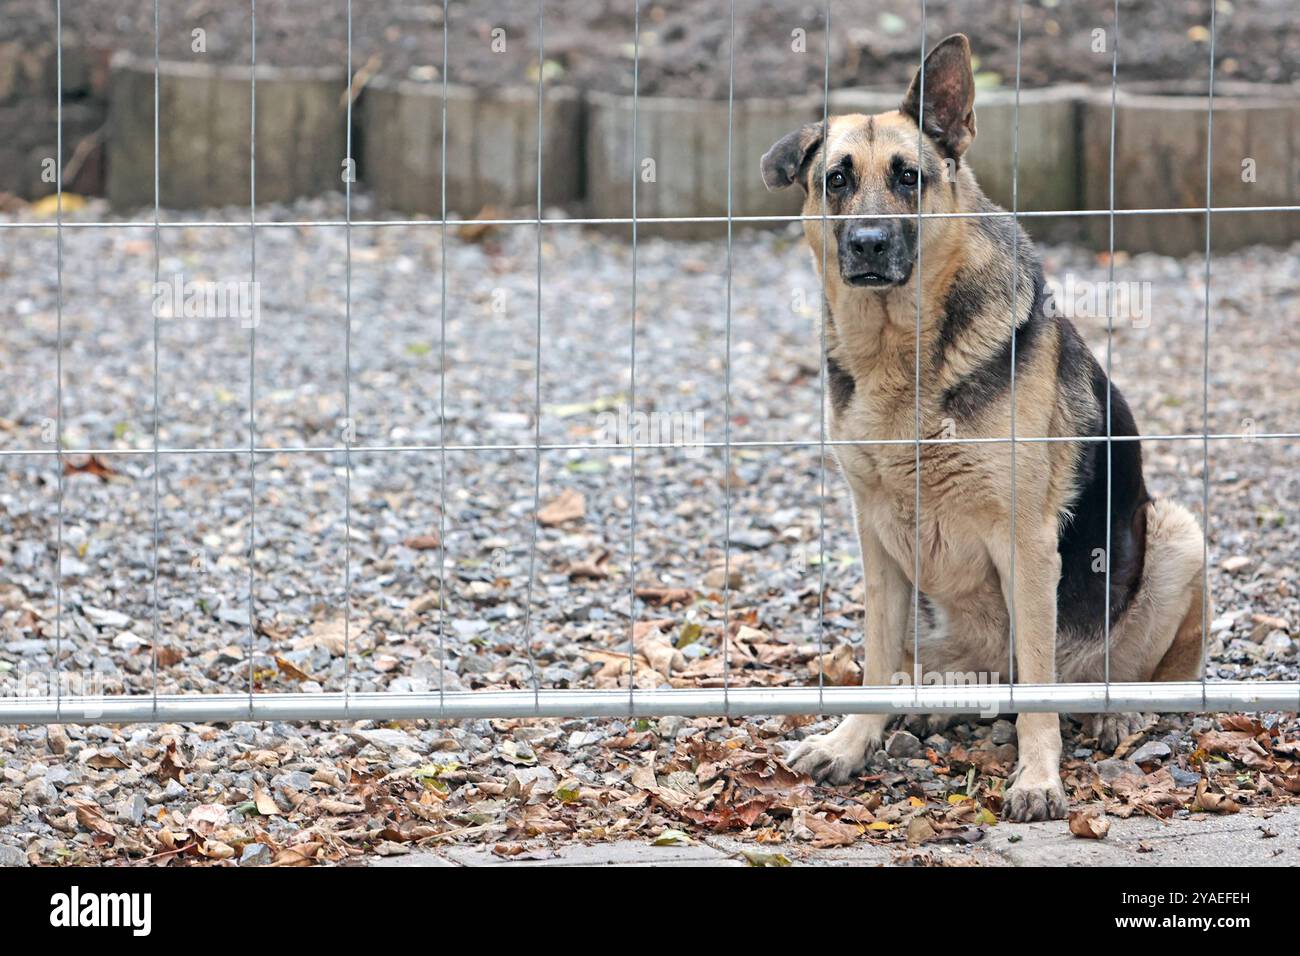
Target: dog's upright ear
<point>789,156</point>
<point>948,113</point>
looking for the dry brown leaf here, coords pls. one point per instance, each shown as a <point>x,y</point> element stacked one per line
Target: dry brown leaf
<point>1240,745</point>
<point>172,765</point>
<point>106,761</point>
<point>660,597</point>
<point>341,808</point>
<point>1212,802</point>
<point>331,634</point>
<point>595,567</point>
<point>300,854</point>
<point>919,830</point>
<point>663,657</point>
<point>90,816</point>
<point>94,465</point>
<point>290,669</point>
<point>216,850</point>
<point>206,817</point>
<point>1089,823</point>
<point>828,832</point>
<point>169,656</point>
<point>265,805</point>
<point>569,506</point>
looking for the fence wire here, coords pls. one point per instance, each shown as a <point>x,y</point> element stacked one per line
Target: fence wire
<point>727,701</point>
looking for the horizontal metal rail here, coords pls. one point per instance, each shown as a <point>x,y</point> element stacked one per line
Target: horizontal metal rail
<point>641,446</point>
<point>628,220</point>
<point>988,699</point>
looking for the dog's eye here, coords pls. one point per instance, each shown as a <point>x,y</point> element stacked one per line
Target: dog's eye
<point>908,177</point>
<point>836,179</point>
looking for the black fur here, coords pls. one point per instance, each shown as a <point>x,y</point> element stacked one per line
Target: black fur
<point>965,301</point>
<point>841,384</point>
<point>1081,595</point>
<point>986,382</point>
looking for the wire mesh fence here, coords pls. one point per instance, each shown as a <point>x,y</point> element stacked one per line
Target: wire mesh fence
<point>535,699</point>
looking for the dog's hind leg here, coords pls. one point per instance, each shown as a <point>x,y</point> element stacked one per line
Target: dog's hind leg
<point>840,755</point>
<point>1159,637</point>
<point>1181,661</point>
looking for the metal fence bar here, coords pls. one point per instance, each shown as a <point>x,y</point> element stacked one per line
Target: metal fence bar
<point>612,446</point>
<point>537,378</point>
<point>822,362</point>
<point>726,363</point>
<point>1110,334</point>
<point>1205,364</point>
<point>58,354</point>
<point>347,383</point>
<point>920,282</point>
<point>1015,323</point>
<point>624,220</point>
<point>1168,697</point>
<point>631,436</point>
<point>252,348</point>
<point>156,632</point>
<point>442,376</point>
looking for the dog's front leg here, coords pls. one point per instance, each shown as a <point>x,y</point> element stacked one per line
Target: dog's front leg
<point>840,755</point>
<point>1036,792</point>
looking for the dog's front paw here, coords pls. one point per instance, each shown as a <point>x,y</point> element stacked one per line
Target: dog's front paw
<point>1028,800</point>
<point>830,758</point>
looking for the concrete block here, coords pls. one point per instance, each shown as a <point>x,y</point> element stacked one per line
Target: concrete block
<point>491,147</point>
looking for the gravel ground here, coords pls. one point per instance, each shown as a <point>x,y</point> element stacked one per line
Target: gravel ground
<point>301,794</point>
<point>684,52</point>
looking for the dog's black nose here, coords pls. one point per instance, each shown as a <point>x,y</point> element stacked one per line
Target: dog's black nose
<point>867,242</point>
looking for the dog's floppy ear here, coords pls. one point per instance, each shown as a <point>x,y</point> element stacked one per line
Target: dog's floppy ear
<point>789,155</point>
<point>949,113</point>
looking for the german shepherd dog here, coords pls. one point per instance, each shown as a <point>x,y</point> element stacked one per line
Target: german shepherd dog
<point>972,271</point>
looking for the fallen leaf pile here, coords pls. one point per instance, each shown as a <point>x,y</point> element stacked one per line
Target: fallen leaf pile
<point>523,787</point>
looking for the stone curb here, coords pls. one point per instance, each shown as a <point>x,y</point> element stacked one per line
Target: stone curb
<point>681,165</point>
<point>204,120</point>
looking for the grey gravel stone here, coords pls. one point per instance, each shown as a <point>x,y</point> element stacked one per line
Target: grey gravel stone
<point>255,854</point>
<point>1112,769</point>
<point>1003,732</point>
<point>1150,751</point>
<point>293,780</point>
<point>902,743</point>
<point>173,791</point>
<point>1184,778</point>
<point>39,792</point>
<point>12,856</point>
<point>387,739</point>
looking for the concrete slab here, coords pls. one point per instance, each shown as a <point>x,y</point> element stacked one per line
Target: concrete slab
<point>622,853</point>
<point>1235,840</point>
<point>419,859</point>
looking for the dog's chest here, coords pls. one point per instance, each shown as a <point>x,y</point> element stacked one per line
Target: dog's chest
<point>954,485</point>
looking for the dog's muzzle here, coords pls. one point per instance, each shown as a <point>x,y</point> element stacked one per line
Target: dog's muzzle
<point>878,252</point>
